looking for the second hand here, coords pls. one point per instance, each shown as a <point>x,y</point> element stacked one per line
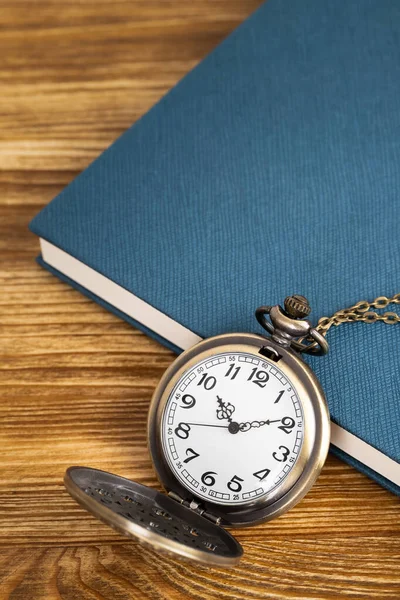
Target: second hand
<point>208,425</point>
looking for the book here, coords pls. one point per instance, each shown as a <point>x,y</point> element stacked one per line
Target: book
<point>272,168</point>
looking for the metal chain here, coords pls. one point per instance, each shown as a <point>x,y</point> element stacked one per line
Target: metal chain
<point>361,312</point>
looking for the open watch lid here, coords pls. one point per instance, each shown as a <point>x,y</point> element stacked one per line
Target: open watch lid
<point>152,518</point>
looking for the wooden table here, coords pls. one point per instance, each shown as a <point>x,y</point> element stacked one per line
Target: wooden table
<point>76,381</point>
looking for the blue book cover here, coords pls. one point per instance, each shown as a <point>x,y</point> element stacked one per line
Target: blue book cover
<point>273,167</point>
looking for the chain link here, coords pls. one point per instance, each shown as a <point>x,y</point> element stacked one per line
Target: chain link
<point>361,311</point>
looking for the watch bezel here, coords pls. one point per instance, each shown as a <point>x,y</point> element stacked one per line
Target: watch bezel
<point>316,438</point>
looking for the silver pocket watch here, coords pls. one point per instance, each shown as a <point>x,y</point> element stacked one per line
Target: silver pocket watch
<point>238,432</point>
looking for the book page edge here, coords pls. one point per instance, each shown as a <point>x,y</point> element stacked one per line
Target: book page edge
<point>117,296</point>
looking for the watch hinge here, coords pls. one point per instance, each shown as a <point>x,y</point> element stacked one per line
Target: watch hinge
<point>196,506</point>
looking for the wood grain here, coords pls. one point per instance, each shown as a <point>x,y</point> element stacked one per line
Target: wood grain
<point>76,382</point>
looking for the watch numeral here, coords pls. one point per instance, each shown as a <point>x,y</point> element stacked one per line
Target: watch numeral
<point>287,424</point>
<point>235,371</point>
<point>208,381</point>
<point>284,454</point>
<point>279,396</point>
<point>188,401</point>
<point>260,378</point>
<point>207,478</point>
<point>191,454</point>
<point>262,474</point>
<point>234,484</point>
<point>182,431</point>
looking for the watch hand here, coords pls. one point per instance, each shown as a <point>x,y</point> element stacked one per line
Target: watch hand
<point>233,427</point>
<point>255,424</point>
<point>208,425</point>
<point>225,410</point>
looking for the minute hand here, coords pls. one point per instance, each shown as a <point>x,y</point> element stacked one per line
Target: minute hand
<point>255,424</point>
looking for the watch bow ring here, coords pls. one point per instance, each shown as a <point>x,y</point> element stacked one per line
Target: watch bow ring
<point>283,327</point>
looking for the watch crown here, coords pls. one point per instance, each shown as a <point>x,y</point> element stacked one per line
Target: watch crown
<point>297,306</point>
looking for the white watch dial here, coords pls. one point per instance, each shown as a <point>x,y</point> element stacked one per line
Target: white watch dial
<point>232,428</point>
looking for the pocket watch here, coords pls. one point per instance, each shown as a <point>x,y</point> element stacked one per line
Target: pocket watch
<point>238,432</point>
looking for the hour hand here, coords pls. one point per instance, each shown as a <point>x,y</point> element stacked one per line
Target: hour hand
<point>225,410</point>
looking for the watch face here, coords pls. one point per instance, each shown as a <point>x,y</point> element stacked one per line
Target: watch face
<point>232,428</point>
